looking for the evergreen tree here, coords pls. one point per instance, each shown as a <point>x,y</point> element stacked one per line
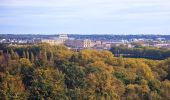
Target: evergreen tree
<point>23,54</point>
<point>32,57</point>
<point>27,55</point>
<point>44,59</point>
<point>51,56</point>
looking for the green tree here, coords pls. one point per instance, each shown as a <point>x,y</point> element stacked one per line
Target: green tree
<point>12,88</point>
<point>27,55</point>
<point>32,57</point>
<point>47,83</point>
<point>23,54</point>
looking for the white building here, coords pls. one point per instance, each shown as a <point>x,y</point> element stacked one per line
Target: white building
<point>79,43</point>
<point>52,42</point>
<point>159,45</point>
<point>56,41</point>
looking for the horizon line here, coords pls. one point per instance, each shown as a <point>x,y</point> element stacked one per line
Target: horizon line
<point>78,34</point>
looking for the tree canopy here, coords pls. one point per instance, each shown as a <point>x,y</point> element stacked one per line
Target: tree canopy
<point>45,72</point>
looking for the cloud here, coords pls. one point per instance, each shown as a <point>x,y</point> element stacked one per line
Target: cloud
<point>91,16</point>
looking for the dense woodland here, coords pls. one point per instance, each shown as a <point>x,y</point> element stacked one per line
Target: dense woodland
<point>44,72</point>
<point>141,52</point>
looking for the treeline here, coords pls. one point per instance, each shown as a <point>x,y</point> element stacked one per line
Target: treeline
<point>119,37</point>
<point>105,37</point>
<point>141,52</point>
<point>44,72</point>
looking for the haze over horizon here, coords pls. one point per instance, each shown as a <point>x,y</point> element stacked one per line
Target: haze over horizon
<point>85,17</point>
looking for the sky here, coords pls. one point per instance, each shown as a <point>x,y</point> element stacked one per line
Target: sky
<point>85,16</point>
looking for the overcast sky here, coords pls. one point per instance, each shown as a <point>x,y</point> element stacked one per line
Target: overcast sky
<point>85,16</point>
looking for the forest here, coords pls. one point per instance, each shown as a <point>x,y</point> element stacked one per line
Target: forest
<point>45,72</point>
<point>141,52</point>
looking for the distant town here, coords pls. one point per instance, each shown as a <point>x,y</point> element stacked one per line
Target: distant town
<point>98,42</point>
